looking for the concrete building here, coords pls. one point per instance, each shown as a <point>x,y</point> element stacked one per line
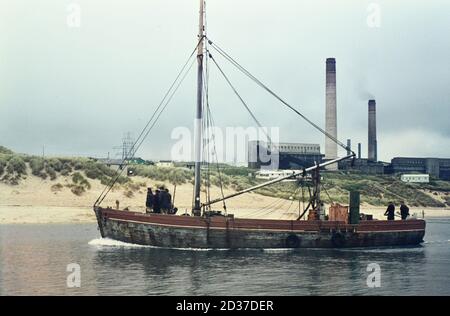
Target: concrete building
<point>372,135</point>
<point>435,167</point>
<point>364,166</point>
<point>290,155</point>
<point>275,174</point>
<point>415,178</point>
<point>331,149</point>
<point>165,164</point>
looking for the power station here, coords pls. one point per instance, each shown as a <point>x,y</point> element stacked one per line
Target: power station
<point>298,155</point>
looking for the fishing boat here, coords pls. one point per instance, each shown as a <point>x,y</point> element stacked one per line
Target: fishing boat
<point>206,228</point>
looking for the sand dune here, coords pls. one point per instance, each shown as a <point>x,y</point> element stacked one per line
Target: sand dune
<point>34,201</point>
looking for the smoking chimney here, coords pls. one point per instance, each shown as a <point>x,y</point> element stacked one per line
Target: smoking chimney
<point>359,150</point>
<point>330,118</point>
<point>372,155</point>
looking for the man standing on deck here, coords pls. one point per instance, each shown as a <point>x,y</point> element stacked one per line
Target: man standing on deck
<point>390,212</point>
<point>156,202</point>
<point>404,211</point>
<point>149,201</point>
<point>165,200</point>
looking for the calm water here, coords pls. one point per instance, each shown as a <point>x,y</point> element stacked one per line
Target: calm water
<point>34,258</point>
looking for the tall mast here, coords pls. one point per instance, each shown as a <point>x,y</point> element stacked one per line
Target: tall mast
<point>199,115</point>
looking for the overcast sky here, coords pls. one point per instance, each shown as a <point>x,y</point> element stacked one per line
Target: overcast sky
<point>77,90</point>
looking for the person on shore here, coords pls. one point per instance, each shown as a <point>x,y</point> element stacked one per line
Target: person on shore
<point>156,202</point>
<point>404,211</point>
<point>149,201</point>
<point>390,212</point>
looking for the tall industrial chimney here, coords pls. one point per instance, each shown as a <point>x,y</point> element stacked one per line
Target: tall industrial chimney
<point>372,155</point>
<point>331,111</point>
<point>359,150</point>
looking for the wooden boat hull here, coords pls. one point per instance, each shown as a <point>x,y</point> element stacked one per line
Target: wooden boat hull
<point>171,231</point>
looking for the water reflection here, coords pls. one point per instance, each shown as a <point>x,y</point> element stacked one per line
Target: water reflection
<point>241,272</point>
<point>33,260</point>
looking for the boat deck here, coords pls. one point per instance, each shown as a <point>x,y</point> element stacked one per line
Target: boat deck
<point>219,222</point>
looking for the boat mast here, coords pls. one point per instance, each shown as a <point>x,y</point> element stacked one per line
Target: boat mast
<point>199,115</point>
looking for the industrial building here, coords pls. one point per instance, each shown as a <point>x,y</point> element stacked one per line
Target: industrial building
<point>290,155</point>
<point>365,166</point>
<point>435,167</point>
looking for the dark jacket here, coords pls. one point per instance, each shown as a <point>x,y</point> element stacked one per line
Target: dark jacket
<point>404,211</point>
<point>149,200</point>
<point>156,203</point>
<point>390,212</point>
<point>165,200</point>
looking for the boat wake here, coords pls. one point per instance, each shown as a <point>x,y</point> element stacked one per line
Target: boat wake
<point>107,242</point>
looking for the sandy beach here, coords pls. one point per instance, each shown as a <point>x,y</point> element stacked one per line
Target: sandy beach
<point>35,201</point>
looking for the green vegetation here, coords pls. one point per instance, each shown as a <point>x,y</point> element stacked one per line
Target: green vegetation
<point>13,167</point>
<point>6,151</point>
<point>380,190</point>
<point>79,184</point>
<point>57,187</point>
<point>375,190</point>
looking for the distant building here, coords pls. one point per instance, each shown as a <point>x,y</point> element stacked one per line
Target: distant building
<point>435,167</point>
<point>274,174</point>
<point>415,178</point>
<point>290,155</point>
<point>165,164</point>
<point>110,162</point>
<point>365,166</point>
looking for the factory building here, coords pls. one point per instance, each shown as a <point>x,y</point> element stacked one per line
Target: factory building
<point>435,167</point>
<point>365,166</point>
<point>290,155</point>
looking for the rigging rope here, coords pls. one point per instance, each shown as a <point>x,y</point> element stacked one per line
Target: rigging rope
<point>258,82</point>
<point>217,160</point>
<point>241,99</point>
<point>210,124</point>
<point>146,130</point>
